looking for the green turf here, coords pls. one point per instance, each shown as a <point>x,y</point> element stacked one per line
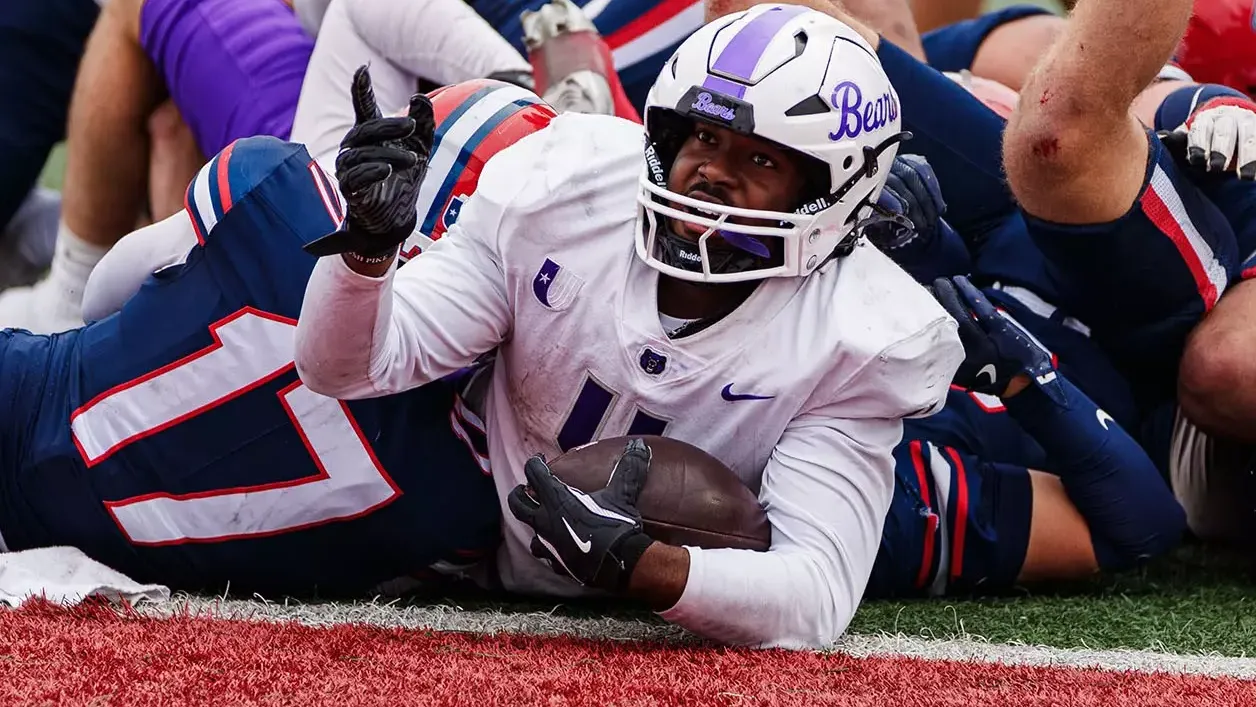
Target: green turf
<point>54,169</point>
<point>1198,601</point>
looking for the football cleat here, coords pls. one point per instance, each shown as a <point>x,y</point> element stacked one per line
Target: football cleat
<point>570,61</point>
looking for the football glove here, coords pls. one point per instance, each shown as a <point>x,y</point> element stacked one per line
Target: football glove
<point>380,169</point>
<point>996,347</point>
<point>1220,136</point>
<point>912,193</point>
<point>595,538</point>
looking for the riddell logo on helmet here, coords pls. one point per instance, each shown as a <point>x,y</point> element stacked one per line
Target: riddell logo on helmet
<point>655,164</point>
<point>704,103</point>
<point>814,207</point>
<point>858,117</point>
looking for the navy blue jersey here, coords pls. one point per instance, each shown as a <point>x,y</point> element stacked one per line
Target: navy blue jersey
<point>1143,281</point>
<point>959,518</point>
<point>641,34</point>
<point>174,441</point>
<point>1236,199</point>
<point>954,46</point>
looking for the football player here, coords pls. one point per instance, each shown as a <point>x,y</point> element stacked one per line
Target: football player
<point>994,493</point>
<point>1036,484</point>
<point>172,440</point>
<point>710,289</point>
<point>1138,248</point>
<point>233,69</point>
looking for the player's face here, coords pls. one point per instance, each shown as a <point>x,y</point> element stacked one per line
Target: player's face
<point>718,165</point>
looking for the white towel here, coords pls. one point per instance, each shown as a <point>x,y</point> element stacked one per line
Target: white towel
<point>65,576</point>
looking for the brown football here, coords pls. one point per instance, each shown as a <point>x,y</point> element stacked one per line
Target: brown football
<point>689,498</point>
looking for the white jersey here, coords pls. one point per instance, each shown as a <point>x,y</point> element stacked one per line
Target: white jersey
<point>799,391</point>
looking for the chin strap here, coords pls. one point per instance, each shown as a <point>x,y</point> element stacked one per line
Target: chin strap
<point>685,255</point>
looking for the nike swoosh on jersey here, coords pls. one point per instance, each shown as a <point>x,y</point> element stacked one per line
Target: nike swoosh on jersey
<point>1104,418</point>
<point>728,394</point>
<point>584,545</point>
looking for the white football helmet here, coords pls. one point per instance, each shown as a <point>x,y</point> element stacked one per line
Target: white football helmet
<point>792,76</point>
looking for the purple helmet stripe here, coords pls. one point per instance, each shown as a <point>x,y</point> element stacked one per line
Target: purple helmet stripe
<point>724,86</point>
<point>743,51</point>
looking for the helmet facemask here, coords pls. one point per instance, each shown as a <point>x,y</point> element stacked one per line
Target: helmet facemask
<point>800,81</point>
<point>736,244</point>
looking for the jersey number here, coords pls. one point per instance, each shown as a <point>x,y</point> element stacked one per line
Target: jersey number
<point>250,348</point>
<point>589,413</point>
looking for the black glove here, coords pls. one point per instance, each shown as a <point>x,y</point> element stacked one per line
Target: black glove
<point>996,347</point>
<point>595,538</point>
<point>380,169</point>
<point>912,202</point>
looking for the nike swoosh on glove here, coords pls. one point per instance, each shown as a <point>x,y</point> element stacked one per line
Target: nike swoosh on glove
<point>596,538</point>
<point>1220,136</point>
<point>996,347</point>
<point>380,169</point>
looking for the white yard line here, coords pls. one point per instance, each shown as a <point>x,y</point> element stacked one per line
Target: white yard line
<point>453,618</point>
<point>968,650</point>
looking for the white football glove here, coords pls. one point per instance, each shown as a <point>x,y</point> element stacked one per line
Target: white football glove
<point>1221,136</point>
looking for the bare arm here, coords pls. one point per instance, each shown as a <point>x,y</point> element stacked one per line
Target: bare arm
<point>716,9</point>
<point>893,19</point>
<point>1073,151</point>
<point>363,333</point>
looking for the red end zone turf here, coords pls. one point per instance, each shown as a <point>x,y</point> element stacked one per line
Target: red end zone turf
<point>93,655</point>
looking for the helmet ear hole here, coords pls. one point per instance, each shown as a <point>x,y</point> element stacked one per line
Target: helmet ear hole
<point>846,163</point>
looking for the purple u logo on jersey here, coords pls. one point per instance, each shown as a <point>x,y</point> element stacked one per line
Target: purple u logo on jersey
<point>555,286</point>
<point>544,280</point>
<point>855,116</point>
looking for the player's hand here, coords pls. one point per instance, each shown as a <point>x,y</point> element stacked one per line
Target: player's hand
<point>380,168</point>
<point>595,538</point>
<point>996,348</point>
<point>912,192</point>
<point>1220,136</point>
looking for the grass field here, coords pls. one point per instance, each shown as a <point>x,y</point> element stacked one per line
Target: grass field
<point>1197,601</point>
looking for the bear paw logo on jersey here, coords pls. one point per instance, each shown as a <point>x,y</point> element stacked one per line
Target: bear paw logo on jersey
<point>858,117</point>
<point>555,286</point>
